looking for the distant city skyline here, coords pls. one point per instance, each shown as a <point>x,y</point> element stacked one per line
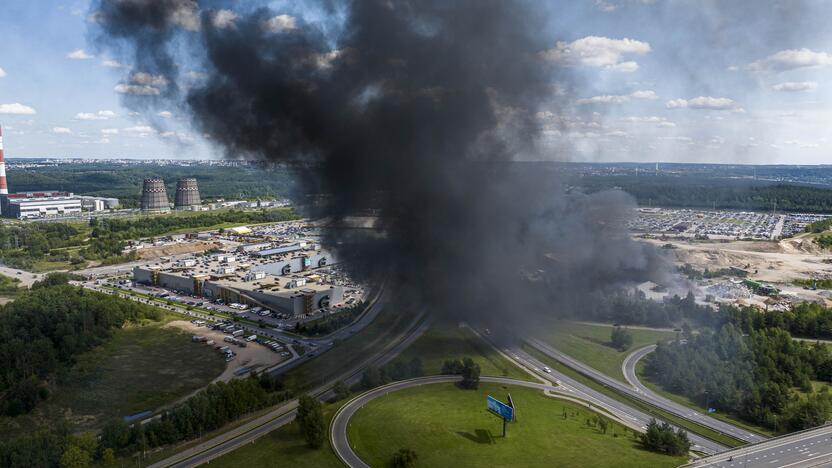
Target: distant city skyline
<point>632,80</point>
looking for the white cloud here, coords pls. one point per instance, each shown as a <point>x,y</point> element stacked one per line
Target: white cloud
<point>647,94</point>
<point>617,134</point>
<point>165,114</point>
<point>100,115</point>
<point>2,73</point>
<point>79,54</point>
<point>795,87</point>
<point>325,60</point>
<point>660,122</point>
<point>704,102</point>
<point>61,131</point>
<point>280,23</point>
<point>801,144</point>
<point>606,99</point>
<point>620,99</point>
<point>140,130</point>
<point>16,109</point>
<point>186,15</point>
<point>596,51</point>
<point>109,131</point>
<point>146,79</point>
<point>109,63</point>
<point>137,90</point>
<point>792,59</point>
<point>224,18</point>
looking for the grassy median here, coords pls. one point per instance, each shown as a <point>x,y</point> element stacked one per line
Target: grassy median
<point>447,426</point>
<point>590,344</point>
<point>695,428</point>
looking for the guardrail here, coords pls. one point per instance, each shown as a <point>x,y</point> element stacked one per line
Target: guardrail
<point>746,447</point>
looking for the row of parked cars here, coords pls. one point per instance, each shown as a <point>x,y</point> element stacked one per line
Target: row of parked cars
<point>274,346</point>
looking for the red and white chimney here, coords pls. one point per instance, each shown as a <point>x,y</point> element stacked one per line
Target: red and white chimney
<point>4,188</point>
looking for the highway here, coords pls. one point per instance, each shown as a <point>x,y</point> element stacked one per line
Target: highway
<point>249,432</point>
<point>638,391</point>
<point>628,415</point>
<point>797,450</point>
<point>338,428</point>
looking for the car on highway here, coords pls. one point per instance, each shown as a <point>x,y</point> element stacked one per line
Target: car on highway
<point>547,370</point>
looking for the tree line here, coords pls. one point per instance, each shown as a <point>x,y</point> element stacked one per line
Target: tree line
<point>714,192</point>
<point>754,377</point>
<point>44,329</point>
<point>215,406</point>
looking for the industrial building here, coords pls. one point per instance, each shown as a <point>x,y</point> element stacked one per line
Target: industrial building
<point>187,194</point>
<point>154,196</point>
<point>30,205</point>
<point>89,203</point>
<point>45,204</point>
<point>288,284</point>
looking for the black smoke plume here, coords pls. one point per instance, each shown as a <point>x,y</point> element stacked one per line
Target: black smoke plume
<point>415,113</point>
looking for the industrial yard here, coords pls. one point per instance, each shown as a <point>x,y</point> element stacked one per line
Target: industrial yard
<point>721,224</point>
<point>275,273</point>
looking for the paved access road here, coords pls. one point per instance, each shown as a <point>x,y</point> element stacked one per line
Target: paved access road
<point>249,432</point>
<point>798,450</point>
<point>632,417</point>
<point>644,394</point>
<point>565,388</point>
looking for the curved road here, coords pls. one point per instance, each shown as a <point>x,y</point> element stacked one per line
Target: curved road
<point>560,384</point>
<point>634,418</point>
<point>340,423</point>
<point>642,393</point>
<point>247,433</point>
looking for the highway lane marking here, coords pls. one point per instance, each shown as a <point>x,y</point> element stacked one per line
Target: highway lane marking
<point>804,461</point>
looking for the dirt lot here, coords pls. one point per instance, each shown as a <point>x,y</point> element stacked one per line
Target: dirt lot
<point>778,263</point>
<point>254,356</point>
<point>176,249</point>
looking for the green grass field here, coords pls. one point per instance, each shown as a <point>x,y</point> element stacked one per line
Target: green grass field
<point>445,341</point>
<point>653,411</point>
<point>141,368</point>
<point>589,343</point>
<point>447,426</point>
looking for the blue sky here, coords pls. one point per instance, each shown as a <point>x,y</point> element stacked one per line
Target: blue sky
<point>633,80</point>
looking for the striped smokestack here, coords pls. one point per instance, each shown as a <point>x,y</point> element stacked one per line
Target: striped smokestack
<point>4,188</point>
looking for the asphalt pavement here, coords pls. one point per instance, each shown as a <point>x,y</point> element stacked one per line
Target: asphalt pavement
<point>251,431</point>
<point>560,385</point>
<point>638,391</point>
<point>799,450</point>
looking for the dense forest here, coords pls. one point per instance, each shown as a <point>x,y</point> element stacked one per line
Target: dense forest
<point>125,181</point>
<point>754,377</point>
<point>712,192</point>
<point>44,329</point>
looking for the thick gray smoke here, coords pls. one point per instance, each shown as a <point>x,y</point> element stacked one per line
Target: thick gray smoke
<point>411,111</point>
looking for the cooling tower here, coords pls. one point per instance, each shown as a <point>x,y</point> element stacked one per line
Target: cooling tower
<point>187,194</point>
<point>154,196</point>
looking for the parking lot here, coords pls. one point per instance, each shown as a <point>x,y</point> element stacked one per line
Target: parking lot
<point>720,224</point>
<point>242,356</point>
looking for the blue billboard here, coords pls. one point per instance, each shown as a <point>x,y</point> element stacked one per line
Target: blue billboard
<point>500,409</point>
